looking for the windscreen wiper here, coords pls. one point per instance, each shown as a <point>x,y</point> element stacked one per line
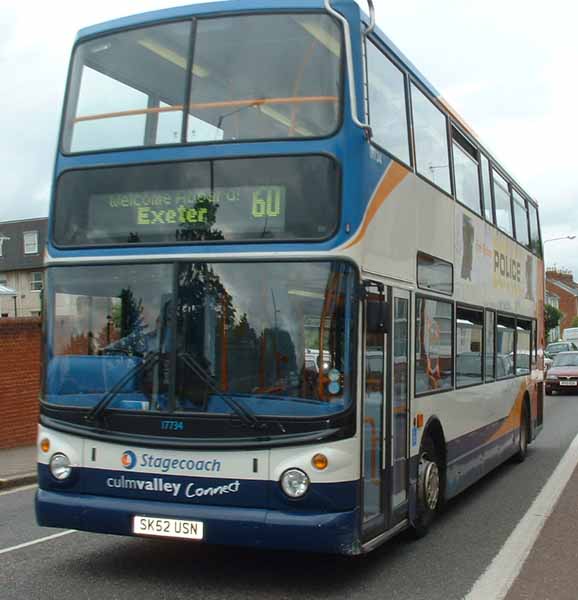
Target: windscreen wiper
<point>95,415</point>
<point>246,415</point>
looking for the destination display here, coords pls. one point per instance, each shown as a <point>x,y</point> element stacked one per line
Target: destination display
<point>196,209</point>
<point>287,198</point>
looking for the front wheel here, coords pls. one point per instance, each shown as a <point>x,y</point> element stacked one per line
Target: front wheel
<point>429,487</point>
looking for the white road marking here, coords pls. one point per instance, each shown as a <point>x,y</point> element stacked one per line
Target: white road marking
<point>38,541</point>
<point>19,489</point>
<point>505,567</point>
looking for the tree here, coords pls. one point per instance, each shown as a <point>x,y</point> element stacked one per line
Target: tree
<point>574,321</point>
<point>552,318</point>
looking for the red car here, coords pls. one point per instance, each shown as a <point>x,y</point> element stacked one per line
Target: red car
<point>563,374</point>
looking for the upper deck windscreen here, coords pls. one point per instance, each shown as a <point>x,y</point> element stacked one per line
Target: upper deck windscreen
<point>243,78</point>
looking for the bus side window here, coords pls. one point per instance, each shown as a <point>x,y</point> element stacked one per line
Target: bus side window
<point>503,204</point>
<point>431,140</point>
<point>487,189</point>
<point>521,219</point>
<point>466,172</point>
<point>387,106</point>
<point>433,345</point>
<point>535,243</point>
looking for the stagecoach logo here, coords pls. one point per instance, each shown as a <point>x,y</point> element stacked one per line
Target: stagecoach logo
<point>128,459</point>
<point>165,464</point>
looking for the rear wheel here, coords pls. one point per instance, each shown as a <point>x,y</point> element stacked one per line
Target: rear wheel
<point>522,452</point>
<point>429,486</point>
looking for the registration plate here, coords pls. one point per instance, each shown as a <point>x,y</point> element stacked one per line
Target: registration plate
<point>169,528</point>
<point>569,383</point>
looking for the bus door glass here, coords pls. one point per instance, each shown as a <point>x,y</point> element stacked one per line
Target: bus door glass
<point>373,422</point>
<point>399,409</point>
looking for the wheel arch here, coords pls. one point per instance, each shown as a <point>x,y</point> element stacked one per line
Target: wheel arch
<point>433,428</point>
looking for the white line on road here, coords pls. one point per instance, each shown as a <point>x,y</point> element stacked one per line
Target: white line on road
<point>38,541</point>
<point>20,489</point>
<point>505,567</point>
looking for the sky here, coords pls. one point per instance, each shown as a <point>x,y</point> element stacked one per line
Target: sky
<point>507,66</point>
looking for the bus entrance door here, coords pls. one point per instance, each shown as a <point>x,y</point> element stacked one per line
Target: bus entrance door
<point>385,415</point>
<point>398,406</point>
<point>374,346</point>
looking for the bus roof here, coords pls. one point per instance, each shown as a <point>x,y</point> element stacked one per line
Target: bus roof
<point>206,8</point>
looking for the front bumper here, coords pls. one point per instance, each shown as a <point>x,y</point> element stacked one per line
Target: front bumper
<point>554,386</point>
<point>334,533</point>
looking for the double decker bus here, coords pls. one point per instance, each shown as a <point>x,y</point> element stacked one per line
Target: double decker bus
<point>292,301</point>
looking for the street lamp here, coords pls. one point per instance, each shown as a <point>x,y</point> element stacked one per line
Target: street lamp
<point>565,237</point>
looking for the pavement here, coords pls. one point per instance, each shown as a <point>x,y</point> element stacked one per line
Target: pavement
<point>17,467</point>
<point>551,569</point>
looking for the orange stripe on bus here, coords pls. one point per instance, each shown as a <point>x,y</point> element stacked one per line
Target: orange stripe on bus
<point>512,421</point>
<point>391,179</point>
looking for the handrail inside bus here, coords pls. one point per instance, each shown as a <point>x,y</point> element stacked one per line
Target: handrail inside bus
<point>206,105</point>
<point>349,60</point>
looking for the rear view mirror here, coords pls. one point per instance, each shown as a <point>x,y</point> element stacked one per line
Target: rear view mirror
<point>376,316</point>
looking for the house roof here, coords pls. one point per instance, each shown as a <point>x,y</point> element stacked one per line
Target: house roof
<point>571,289</point>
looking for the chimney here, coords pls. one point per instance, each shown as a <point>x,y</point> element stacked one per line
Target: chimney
<point>563,275</point>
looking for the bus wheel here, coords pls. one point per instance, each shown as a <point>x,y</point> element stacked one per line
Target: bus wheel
<point>429,487</point>
<point>522,452</point>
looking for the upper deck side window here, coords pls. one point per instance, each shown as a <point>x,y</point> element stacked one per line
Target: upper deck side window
<point>503,204</point>
<point>487,189</point>
<point>466,172</point>
<point>535,241</point>
<point>431,141</point>
<point>521,219</point>
<point>252,78</point>
<point>387,104</point>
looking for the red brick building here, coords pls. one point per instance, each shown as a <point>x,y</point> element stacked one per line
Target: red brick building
<point>561,283</point>
<point>20,349</point>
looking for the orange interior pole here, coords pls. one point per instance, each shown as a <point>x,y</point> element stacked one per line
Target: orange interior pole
<point>207,105</point>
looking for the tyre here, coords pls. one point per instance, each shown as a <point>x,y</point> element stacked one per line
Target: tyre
<point>430,486</point>
<point>522,452</point>
<point>548,392</point>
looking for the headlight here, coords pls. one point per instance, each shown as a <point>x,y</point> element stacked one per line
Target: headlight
<point>294,483</point>
<point>60,466</point>
<point>552,378</point>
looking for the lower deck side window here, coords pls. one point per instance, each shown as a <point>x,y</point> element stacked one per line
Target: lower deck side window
<point>469,344</point>
<point>490,345</point>
<point>433,345</point>
<point>505,341</point>
<point>523,346</point>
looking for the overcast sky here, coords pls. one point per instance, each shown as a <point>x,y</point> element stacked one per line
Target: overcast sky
<point>508,66</point>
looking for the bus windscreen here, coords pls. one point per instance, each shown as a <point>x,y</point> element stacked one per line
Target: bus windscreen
<point>245,77</point>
